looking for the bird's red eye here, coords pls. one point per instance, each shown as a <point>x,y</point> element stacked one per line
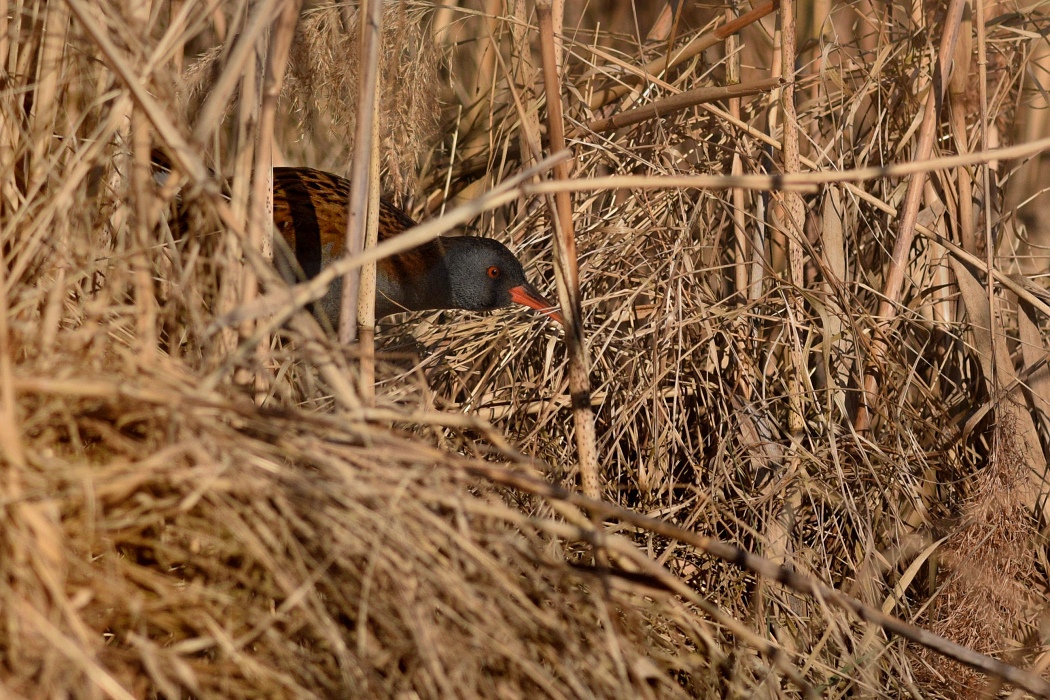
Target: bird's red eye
<point>494,272</point>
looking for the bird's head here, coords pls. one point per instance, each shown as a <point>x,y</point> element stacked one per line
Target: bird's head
<point>485,275</point>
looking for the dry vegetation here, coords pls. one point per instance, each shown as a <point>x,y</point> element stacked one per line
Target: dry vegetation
<point>192,513</point>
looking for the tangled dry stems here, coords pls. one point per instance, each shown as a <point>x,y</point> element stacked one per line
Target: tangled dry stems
<point>165,536</point>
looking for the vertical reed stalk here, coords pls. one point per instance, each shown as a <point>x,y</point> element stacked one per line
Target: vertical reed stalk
<point>45,98</point>
<point>485,53</point>
<point>792,212</point>
<point>566,268</point>
<point>361,223</point>
<point>260,199</point>
<point>260,213</point>
<point>10,431</point>
<point>240,282</point>
<point>957,100</point>
<point>741,249</point>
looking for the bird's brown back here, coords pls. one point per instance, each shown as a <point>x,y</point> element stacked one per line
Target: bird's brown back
<point>309,210</point>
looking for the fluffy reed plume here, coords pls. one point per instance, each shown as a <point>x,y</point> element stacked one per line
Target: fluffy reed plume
<point>198,513</point>
<point>984,602</point>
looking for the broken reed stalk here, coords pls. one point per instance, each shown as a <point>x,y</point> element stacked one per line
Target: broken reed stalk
<point>566,269</point>
<point>701,43</point>
<point>909,212</point>
<point>675,103</point>
<point>369,18</point>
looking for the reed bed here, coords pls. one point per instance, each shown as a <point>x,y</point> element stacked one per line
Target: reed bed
<point>198,510</point>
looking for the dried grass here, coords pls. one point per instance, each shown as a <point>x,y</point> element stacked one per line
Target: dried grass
<point>323,88</point>
<point>165,535</point>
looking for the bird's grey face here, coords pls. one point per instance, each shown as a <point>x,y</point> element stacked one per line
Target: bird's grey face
<point>481,273</point>
<point>485,275</point>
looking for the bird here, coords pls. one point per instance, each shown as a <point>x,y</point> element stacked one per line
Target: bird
<point>450,272</point>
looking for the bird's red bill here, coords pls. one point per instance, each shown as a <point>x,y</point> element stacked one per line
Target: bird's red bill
<point>527,296</point>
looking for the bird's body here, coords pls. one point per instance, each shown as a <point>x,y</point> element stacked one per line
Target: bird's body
<point>450,272</point>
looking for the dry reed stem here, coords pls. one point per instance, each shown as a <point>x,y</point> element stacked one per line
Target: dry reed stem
<point>804,182</point>
<point>362,223</point>
<point>566,267</point>
<point>1036,372</point>
<point>741,249</point>
<point>45,106</point>
<point>141,179</point>
<point>957,94</point>
<point>361,184</point>
<point>240,283</point>
<point>366,315</point>
<point>10,430</point>
<point>684,100</point>
<point>788,218</point>
<point>524,75</point>
<point>791,217</point>
<point>260,224</point>
<point>260,195</point>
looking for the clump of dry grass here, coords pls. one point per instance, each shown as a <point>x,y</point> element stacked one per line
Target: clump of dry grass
<point>172,528</point>
<point>177,541</point>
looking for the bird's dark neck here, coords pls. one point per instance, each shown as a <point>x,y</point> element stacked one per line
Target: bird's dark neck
<point>410,286</point>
